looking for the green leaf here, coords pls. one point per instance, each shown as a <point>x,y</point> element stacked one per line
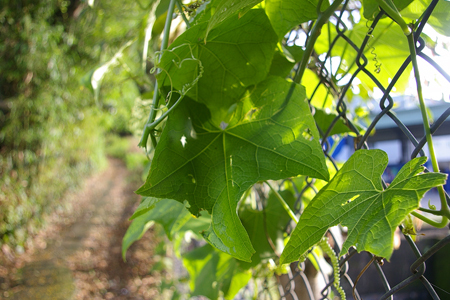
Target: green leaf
<point>286,14</point>
<point>284,60</point>
<point>280,66</point>
<point>197,225</point>
<point>270,222</point>
<point>324,120</point>
<point>439,19</point>
<point>171,214</point>
<point>212,271</point>
<point>163,6</point>
<point>225,65</point>
<point>134,233</point>
<point>210,166</point>
<point>223,9</point>
<point>355,198</point>
<point>147,203</point>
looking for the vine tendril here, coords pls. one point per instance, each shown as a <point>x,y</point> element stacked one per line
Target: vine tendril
<point>372,50</point>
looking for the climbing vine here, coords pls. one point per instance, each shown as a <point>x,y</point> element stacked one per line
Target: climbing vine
<point>247,131</point>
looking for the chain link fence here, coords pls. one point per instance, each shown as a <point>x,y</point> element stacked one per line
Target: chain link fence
<point>362,273</point>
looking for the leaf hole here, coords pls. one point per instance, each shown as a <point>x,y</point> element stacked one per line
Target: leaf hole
<point>183,141</point>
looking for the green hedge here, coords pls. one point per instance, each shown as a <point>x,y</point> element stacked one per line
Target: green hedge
<point>51,127</point>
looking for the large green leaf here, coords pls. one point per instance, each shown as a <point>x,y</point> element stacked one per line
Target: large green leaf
<point>210,166</point>
<point>212,271</point>
<point>225,64</point>
<point>270,222</point>
<point>223,9</point>
<point>355,198</point>
<point>286,14</point>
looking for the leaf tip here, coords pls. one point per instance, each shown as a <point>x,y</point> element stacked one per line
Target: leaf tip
<point>143,190</point>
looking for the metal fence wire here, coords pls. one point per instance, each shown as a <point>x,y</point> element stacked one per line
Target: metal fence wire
<point>298,283</point>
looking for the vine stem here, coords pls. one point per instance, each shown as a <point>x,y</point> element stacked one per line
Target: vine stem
<point>152,125</point>
<point>165,42</point>
<point>180,7</point>
<point>436,212</point>
<point>315,32</point>
<point>283,203</point>
<point>389,7</point>
<point>444,211</point>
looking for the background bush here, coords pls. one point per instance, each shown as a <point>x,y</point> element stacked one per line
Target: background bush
<point>52,126</point>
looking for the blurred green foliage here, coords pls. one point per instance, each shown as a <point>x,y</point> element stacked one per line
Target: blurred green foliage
<point>117,146</point>
<point>52,127</point>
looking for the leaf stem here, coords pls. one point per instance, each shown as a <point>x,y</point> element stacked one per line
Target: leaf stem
<point>315,32</point>
<point>152,125</point>
<point>435,212</point>
<point>441,224</point>
<point>155,104</point>
<point>283,203</point>
<point>412,48</point>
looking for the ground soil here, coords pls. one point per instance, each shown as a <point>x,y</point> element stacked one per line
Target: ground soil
<point>78,254</point>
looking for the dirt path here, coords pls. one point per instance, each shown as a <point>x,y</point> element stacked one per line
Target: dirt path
<point>78,255</point>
